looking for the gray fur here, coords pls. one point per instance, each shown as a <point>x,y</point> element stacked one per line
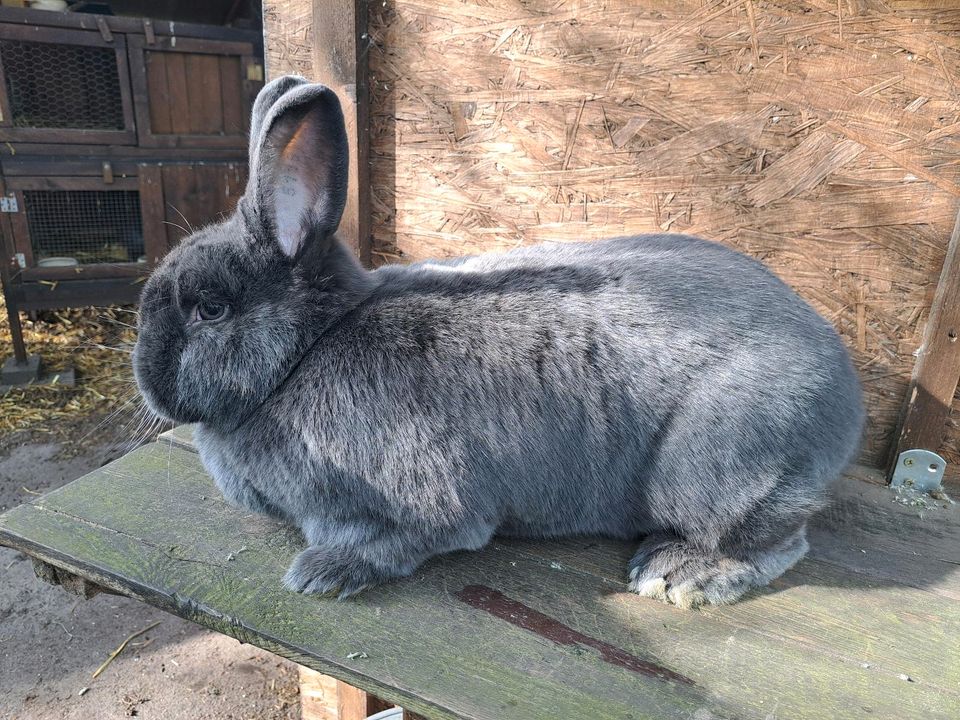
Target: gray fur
<point>658,386</point>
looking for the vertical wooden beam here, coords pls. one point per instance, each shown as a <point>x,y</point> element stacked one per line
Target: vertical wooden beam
<point>7,267</point>
<point>152,212</point>
<point>326,41</point>
<point>923,423</point>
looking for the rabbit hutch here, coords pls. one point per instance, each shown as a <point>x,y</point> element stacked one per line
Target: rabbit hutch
<point>821,137</point>
<point>116,134</point>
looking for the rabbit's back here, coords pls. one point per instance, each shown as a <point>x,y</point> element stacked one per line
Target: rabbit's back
<point>576,388</point>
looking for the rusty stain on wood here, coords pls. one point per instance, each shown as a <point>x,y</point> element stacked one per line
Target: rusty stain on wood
<point>516,613</point>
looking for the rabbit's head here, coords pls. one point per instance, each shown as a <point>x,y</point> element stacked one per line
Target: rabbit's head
<point>230,310</point>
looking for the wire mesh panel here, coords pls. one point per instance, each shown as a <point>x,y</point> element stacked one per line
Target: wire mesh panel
<point>90,226</point>
<point>62,86</point>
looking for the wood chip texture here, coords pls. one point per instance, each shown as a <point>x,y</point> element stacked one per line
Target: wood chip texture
<point>820,137</point>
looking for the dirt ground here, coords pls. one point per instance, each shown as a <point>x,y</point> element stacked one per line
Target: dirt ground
<point>51,642</point>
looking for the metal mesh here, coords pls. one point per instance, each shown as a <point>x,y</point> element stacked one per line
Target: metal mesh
<point>92,226</point>
<point>62,86</point>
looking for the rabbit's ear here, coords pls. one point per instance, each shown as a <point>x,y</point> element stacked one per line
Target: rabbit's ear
<point>298,161</point>
<point>266,99</point>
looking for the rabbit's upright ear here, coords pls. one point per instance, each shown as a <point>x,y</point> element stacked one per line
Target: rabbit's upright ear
<point>298,161</point>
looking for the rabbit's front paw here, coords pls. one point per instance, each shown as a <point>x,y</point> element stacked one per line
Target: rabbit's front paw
<point>332,570</point>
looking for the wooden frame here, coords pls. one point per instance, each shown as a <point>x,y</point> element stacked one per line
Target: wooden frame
<point>141,81</point>
<point>152,211</point>
<point>57,36</point>
<point>22,242</point>
<point>121,24</point>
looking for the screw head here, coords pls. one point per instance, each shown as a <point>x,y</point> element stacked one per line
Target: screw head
<point>908,461</point>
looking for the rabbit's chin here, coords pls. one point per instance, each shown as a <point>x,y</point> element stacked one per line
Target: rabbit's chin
<point>161,411</point>
<point>158,406</point>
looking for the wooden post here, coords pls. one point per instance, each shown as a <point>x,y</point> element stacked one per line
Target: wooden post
<point>923,423</point>
<point>326,41</point>
<point>325,698</point>
<point>6,280</point>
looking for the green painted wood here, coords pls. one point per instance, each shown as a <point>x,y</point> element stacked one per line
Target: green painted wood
<point>152,525</point>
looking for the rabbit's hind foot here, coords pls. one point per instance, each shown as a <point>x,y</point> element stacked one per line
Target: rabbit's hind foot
<point>674,571</point>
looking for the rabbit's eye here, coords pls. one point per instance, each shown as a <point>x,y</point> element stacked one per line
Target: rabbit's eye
<point>209,311</point>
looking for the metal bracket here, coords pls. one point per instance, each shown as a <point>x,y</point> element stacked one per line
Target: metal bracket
<point>920,470</point>
<point>104,30</point>
<point>21,260</point>
<point>255,72</point>
<point>8,203</point>
<point>148,31</point>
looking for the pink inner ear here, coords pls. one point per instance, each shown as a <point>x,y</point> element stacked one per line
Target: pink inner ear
<point>295,195</point>
<point>291,204</point>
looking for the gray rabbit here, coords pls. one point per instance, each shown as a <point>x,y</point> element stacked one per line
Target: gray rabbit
<point>660,388</point>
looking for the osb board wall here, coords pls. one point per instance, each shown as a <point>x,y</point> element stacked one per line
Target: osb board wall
<point>817,136</point>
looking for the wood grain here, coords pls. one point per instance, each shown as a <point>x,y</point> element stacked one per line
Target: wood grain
<point>158,93</point>
<point>181,120</point>
<point>231,94</point>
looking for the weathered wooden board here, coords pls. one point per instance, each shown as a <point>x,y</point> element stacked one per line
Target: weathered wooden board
<point>520,630</point>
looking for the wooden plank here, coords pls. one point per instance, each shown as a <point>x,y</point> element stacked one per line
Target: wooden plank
<point>152,213</point>
<point>90,167</point>
<point>203,92</point>
<point>932,388</point>
<point>6,116</point>
<point>181,114</point>
<point>178,188</point>
<point>45,275</point>
<point>231,94</point>
<point>126,95</point>
<point>213,103</point>
<point>72,183</point>
<point>120,24</point>
<point>802,644</point>
<point>195,94</point>
<point>79,293</point>
<point>333,52</point>
<point>120,153</point>
<point>158,93</point>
